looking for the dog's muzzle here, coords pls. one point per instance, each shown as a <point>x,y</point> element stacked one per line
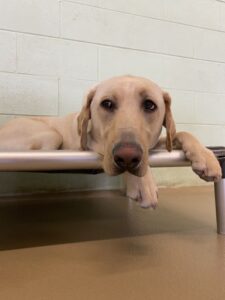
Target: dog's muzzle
<point>127,156</point>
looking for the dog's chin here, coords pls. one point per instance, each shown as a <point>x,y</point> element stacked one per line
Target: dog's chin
<point>140,171</point>
<point>113,170</point>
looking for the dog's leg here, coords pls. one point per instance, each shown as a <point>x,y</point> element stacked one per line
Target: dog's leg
<point>23,134</point>
<point>203,161</point>
<point>142,189</point>
<point>49,140</point>
<point>46,141</point>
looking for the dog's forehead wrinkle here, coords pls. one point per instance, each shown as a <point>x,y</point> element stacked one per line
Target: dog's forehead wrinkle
<point>128,87</point>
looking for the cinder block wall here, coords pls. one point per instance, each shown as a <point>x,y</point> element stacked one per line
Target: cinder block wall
<point>51,51</point>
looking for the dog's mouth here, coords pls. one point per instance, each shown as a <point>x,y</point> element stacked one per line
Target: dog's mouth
<point>137,171</point>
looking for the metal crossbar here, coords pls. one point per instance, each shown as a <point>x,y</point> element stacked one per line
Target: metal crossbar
<point>61,160</point>
<point>90,162</point>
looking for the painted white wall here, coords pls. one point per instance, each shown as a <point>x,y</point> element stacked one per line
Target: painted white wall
<point>51,51</point>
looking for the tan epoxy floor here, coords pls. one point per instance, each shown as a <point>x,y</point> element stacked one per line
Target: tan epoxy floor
<point>101,246</point>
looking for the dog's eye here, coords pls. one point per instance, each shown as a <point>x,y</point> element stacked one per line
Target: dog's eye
<point>108,104</point>
<point>149,105</point>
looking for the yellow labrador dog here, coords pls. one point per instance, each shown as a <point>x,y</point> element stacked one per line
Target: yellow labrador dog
<point>122,118</point>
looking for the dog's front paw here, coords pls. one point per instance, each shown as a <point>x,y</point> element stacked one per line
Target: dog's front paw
<point>143,190</point>
<point>146,196</point>
<point>206,166</point>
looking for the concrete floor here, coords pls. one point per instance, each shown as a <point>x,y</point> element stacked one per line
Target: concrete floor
<point>98,245</point>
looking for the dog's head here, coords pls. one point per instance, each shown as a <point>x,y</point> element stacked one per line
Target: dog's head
<point>126,116</point>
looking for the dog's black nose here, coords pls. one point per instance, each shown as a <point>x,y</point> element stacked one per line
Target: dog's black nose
<point>127,156</point>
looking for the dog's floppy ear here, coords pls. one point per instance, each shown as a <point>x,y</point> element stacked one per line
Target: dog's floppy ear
<point>83,119</point>
<point>169,123</point>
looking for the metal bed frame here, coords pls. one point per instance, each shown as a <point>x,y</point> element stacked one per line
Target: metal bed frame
<point>90,162</point>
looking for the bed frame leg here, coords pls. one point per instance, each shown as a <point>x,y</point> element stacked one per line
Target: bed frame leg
<point>219,188</point>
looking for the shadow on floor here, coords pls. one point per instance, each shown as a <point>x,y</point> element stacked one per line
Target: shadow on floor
<point>39,220</point>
